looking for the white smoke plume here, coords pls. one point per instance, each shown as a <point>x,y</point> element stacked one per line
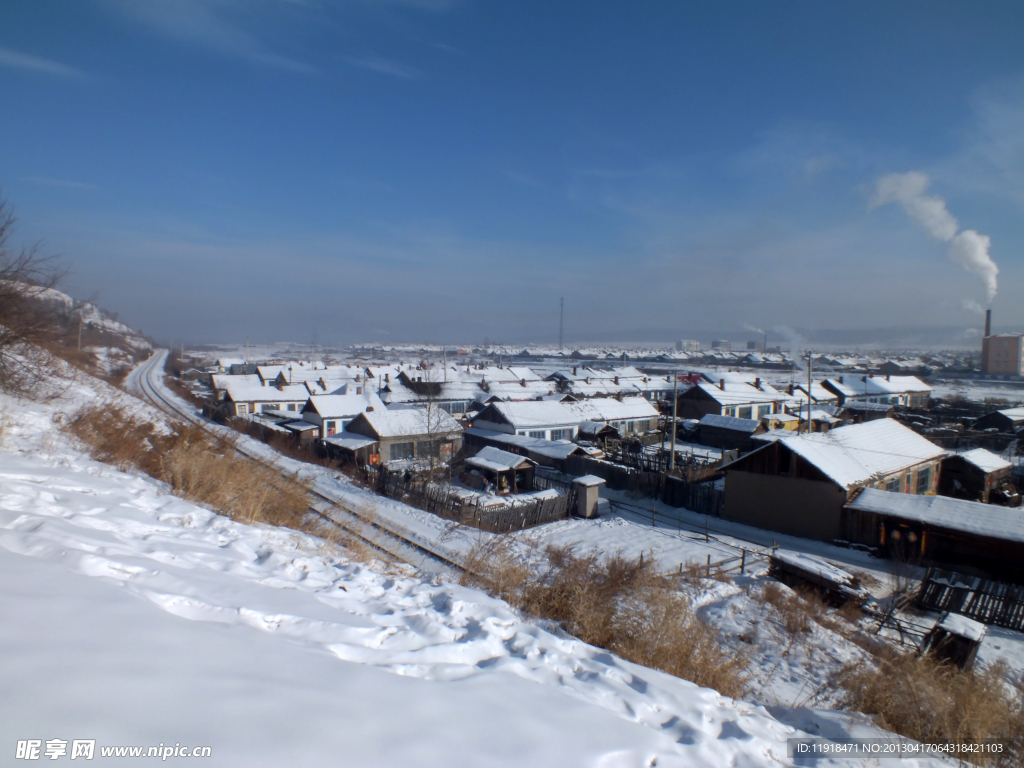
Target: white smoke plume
<point>795,342</point>
<point>969,249</point>
<point>755,329</point>
<point>972,306</point>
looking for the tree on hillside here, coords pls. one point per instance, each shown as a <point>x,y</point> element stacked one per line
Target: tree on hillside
<point>28,321</point>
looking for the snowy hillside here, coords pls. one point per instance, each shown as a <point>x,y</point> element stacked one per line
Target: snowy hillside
<point>135,618</point>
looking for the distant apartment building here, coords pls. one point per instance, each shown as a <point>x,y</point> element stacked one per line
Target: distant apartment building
<point>687,345</point>
<point>721,344</point>
<point>1003,354</point>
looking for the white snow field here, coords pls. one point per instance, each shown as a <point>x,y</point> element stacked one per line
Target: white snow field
<point>132,617</point>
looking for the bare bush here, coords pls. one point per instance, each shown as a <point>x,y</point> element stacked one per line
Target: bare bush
<point>932,701</point>
<point>617,603</point>
<point>196,465</point>
<point>28,323</point>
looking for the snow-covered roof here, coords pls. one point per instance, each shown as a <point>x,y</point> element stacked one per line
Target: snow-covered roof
<point>985,460</point>
<point>255,393</point>
<point>408,422</point>
<point>962,626</point>
<point>860,453</point>
<point>729,422</point>
<point>498,460</point>
<point>588,481</point>
<point>552,449</point>
<point>739,393</point>
<point>223,380</point>
<point>944,512</point>
<point>350,440</point>
<point>345,406</point>
<point>544,413</point>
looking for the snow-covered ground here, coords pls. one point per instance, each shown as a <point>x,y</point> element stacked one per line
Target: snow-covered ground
<point>133,617</point>
<point>674,538</point>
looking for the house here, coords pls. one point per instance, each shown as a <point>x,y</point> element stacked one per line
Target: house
<point>729,432</point>
<point>544,419</point>
<point>969,536</point>
<point>799,484</point>
<point>245,399</point>
<point>907,391</point>
<point>409,433</point>
<point>219,382</point>
<point>551,420</point>
<point>857,411</point>
<point>744,400</point>
<point>545,452</point>
<point>978,475</point>
<point>332,413</point>
<point>1006,420</point>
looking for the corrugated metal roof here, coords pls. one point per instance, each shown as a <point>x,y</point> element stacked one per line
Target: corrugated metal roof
<point>944,512</point>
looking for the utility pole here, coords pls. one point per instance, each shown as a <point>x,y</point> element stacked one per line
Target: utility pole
<point>561,320</point>
<point>808,392</point>
<point>675,406</point>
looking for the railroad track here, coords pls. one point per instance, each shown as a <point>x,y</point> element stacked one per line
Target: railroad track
<point>368,529</point>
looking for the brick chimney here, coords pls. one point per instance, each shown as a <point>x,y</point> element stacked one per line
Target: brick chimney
<point>369,409</point>
<point>988,322</point>
<point>721,384</point>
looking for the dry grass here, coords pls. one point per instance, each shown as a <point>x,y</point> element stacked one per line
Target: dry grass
<point>616,603</point>
<point>932,701</point>
<point>197,466</point>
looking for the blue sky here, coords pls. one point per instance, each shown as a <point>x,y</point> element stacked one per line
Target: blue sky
<point>434,170</point>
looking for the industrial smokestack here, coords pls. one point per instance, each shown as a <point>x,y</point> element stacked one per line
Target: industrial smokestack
<point>988,322</point>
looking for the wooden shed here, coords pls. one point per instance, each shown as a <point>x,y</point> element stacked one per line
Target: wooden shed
<point>969,536</point>
<point>507,472</point>
<point>978,475</point>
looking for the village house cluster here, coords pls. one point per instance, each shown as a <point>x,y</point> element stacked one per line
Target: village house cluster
<point>858,455</point>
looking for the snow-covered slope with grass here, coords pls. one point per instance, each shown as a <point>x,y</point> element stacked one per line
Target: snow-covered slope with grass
<point>133,617</point>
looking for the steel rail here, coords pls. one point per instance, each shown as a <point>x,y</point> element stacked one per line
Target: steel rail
<point>152,393</point>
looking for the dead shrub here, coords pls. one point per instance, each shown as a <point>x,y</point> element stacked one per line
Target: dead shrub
<point>197,466</point>
<point>932,701</point>
<point>616,603</point>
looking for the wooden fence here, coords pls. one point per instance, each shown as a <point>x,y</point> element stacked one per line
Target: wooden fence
<point>697,497</point>
<point>513,515</point>
<point>990,602</point>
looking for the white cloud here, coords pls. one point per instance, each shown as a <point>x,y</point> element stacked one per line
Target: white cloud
<point>385,67</point>
<point>206,23</point>
<point>28,62</point>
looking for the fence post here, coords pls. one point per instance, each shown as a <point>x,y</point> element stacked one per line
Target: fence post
<point>743,562</point>
<point>708,569</point>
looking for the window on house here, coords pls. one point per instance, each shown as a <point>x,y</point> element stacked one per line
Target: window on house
<point>924,479</point>
<point>763,410</point>
<point>561,434</point>
<point>268,407</point>
<point>292,407</point>
<point>424,449</point>
<point>242,408</point>
<point>540,434</point>
<point>893,484</point>
<point>745,412</point>
<point>402,451</point>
